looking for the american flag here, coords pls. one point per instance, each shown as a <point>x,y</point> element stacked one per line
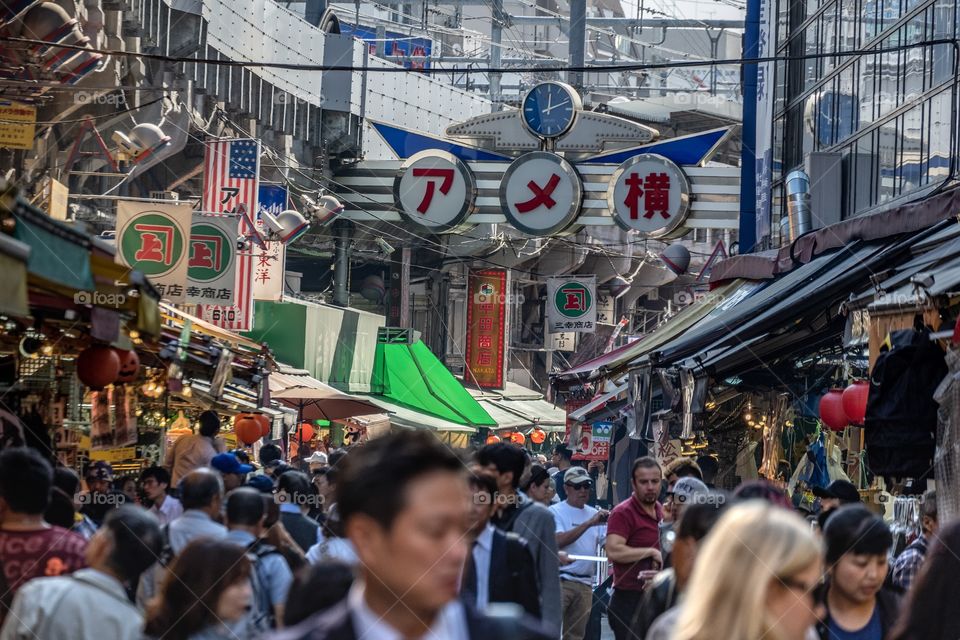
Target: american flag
<point>231,170</point>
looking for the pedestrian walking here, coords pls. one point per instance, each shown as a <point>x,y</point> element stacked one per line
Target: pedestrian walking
<point>405,506</point>
<point>562,459</point>
<point>91,602</point>
<point>908,563</point>
<point>930,611</point>
<point>232,471</point>
<point>316,588</point>
<point>67,483</point>
<point>333,544</point>
<point>196,450</point>
<point>539,486</point>
<point>754,579</point>
<point>680,494</point>
<point>201,495</point>
<point>101,496</point>
<point>580,531</point>
<point>633,545</point>
<point>531,521</point>
<point>205,594</point>
<point>857,605</point>
<point>835,495</point>
<point>30,547</point>
<point>295,495</point>
<point>156,485</point>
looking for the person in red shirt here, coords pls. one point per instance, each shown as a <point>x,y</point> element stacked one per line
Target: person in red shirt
<point>30,547</point>
<point>633,545</point>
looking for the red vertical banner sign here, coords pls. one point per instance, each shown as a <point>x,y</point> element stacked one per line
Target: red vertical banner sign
<point>231,170</point>
<point>486,327</point>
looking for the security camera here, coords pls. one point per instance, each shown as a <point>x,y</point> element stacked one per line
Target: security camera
<point>144,139</point>
<point>384,246</point>
<point>322,209</point>
<point>287,226</point>
<point>924,280</point>
<point>243,243</point>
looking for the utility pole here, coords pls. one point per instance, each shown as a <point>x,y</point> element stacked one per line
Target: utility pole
<point>341,273</point>
<point>496,51</point>
<point>578,38</point>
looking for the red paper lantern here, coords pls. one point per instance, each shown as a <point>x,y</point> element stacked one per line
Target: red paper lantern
<point>304,432</point>
<point>247,428</point>
<point>129,365</point>
<point>854,401</point>
<point>264,424</point>
<point>538,436</point>
<point>831,410</point>
<point>493,438</point>
<point>98,366</point>
<point>517,438</point>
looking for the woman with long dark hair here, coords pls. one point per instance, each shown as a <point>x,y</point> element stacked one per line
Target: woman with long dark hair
<point>539,485</point>
<point>205,593</point>
<point>931,611</point>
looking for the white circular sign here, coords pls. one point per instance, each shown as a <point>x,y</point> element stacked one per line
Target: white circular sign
<point>435,190</point>
<point>541,193</point>
<point>650,194</point>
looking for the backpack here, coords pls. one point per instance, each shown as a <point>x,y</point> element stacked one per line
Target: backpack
<point>262,615</point>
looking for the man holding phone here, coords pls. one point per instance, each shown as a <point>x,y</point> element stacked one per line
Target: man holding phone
<point>581,530</point>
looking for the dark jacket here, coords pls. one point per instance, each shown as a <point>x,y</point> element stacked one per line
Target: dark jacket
<point>657,599</point>
<point>335,624</point>
<point>513,574</point>
<point>302,529</point>
<point>887,601</point>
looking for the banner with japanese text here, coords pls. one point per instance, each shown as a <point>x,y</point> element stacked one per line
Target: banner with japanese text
<point>153,238</point>
<point>212,267</point>
<point>486,327</point>
<point>572,304</point>
<point>268,260</point>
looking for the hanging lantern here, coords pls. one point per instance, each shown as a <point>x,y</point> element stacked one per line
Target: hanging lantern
<point>247,428</point>
<point>129,365</point>
<point>304,432</point>
<point>264,424</point>
<point>831,410</point>
<point>517,438</point>
<point>493,438</point>
<point>98,366</point>
<point>854,401</point>
<point>538,436</point>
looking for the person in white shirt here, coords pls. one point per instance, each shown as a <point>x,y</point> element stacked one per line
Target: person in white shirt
<point>92,602</point>
<point>580,531</point>
<point>155,482</point>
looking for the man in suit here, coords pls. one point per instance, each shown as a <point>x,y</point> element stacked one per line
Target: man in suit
<point>405,505</point>
<point>500,568</point>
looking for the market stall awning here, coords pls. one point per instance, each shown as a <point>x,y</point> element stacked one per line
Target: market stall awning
<point>586,410</point>
<point>407,374</point>
<point>407,418</point>
<point>315,403</point>
<point>59,254</point>
<point>517,407</point>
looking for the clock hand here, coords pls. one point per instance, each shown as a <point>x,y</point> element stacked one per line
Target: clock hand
<point>549,101</point>
<point>559,104</point>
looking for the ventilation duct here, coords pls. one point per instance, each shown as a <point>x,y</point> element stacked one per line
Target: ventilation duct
<point>798,220</point>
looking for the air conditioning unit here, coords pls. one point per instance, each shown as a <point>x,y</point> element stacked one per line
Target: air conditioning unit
<point>164,195</point>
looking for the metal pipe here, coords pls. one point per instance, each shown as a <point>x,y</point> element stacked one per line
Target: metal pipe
<point>341,273</point>
<point>496,51</point>
<point>798,220</point>
<point>578,37</point>
<point>631,22</point>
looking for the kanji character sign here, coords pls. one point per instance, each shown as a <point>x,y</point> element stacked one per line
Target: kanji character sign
<point>650,194</point>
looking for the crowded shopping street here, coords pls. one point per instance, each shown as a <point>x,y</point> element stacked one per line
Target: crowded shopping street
<point>479,320</point>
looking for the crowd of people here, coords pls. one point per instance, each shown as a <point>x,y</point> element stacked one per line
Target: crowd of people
<point>402,538</point>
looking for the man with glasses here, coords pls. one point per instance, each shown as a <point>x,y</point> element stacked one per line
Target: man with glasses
<point>155,482</point>
<point>580,531</point>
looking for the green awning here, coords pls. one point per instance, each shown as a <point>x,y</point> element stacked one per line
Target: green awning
<point>58,253</point>
<point>406,373</point>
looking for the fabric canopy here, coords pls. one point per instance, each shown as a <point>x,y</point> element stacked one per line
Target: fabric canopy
<point>58,253</point>
<point>316,403</point>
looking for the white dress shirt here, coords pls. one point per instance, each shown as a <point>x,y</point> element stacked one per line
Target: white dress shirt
<point>482,555</point>
<point>450,623</point>
<point>170,510</point>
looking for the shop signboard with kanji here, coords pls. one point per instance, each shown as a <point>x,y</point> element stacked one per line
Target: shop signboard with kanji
<point>649,194</point>
<point>594,442</point>
<point>541,194</point>
<point>212,266</point>
<point>572,304</point>
<point>435,190</point>
<point>154,238</point>
<point>486,327</point>
<point>18,123</point>
<point>270,257</point>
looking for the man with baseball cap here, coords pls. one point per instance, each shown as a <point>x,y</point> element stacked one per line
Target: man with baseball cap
<point>231,470</point>
<point>580,531</point>
<point>836,494</point>
<point>680,495</point>
<point>101,497</point>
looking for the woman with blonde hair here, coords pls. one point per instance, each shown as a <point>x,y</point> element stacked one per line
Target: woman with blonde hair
<point>754,579</point>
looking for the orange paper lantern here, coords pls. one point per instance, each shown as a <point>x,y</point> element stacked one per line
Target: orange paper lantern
<point>518,438</point>
<point>538,436</point>
<point>264,424</point>
<point>304,432</point>
<point>129,365</point>
<point>247,428</point>
<point>493,438</point>
<point>98,366</point>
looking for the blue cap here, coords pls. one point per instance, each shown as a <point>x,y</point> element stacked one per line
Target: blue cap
<point>228,463</point>
<point>263,484</point>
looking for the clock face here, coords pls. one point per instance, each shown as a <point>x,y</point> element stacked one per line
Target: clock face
<point>550,108</point>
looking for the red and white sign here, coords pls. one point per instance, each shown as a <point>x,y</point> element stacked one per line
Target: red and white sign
<point>436,190</point>
<point>541,193</point>
<point>486,327</point>
<point>650,194</point>
<point>231,170</point>
<point>594,443</point>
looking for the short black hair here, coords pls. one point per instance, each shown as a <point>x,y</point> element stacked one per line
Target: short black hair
<point>505,457</point>
<point>537,476</point>
<point>564,451</point>
<point>330,473</point>
<point>296,484</point>
<point>698,518</point>
<point>61,511</point>
<point>483,482</point>
<point>199,488</point>
<point>25,480</point>
<point>855,529</point>
<point>209,423</point>
<point>270,452</point>
<point>315,588</point>
<point>67,480</point>
<point>335,456</point>
<point>375,476</point>
<point>245,507</point>
<point>161,475</point>
<point>137,541</point>
<point>646,462</point>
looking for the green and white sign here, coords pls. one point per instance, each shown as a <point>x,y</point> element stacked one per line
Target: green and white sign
<point>212,264</point>
<point>572,304</point>
<point>152,238</point>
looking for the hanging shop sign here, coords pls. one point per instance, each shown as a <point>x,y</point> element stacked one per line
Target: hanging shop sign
<point>650,194</point>
<point>269,259</point>
<point>211,269</point>
<point>594,442</point>
<point>18,123</point>
<point>541,193</point>
<point>565,341</point>
<point>435,190</point>
<point>486,327</point>
<point>606,306</point>
<point>231,170</point>
<point>153,239</point>
<point>572,304</point>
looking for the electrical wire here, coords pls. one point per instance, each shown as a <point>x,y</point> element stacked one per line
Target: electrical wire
<point>112,114</point>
